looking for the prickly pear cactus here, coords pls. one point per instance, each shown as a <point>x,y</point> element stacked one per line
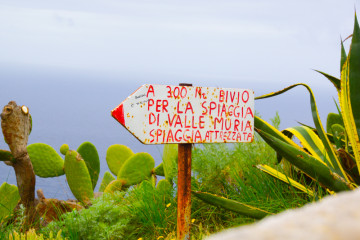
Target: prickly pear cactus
<point>115,185</point>
<point>164,189</point>
<point>90,155</point>
<point>78,177</point>
<point>45,160</point>
<point>108,177</point>
<point>136,169</point>
<point>170,159</point>
<point>159,170</point>
<point>9,197</point>
<point>163,186</point>
<point>116,155</point>
<point>64,148</point>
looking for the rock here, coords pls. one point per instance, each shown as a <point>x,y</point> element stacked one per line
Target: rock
<point>334,217</point>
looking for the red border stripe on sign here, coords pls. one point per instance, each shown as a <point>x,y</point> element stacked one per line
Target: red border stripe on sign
<point>118,114</point>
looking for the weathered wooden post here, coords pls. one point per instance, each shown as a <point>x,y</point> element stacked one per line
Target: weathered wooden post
<point>164,114</point>
<point>184,189</point>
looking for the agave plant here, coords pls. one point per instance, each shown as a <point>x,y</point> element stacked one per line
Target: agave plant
<point>331,158</point>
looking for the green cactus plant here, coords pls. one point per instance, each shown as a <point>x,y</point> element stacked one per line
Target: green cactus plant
<point>170,159</point>
<point>64,149</point>
<point>78,177</point>
<point>137,168</point>
<point>116,155</point>
<point>9,198</point>
<point>45,160</point>
<point>159,170</point>
<point>91,157</point>
<point>115,185</point>
<point>107,178</point>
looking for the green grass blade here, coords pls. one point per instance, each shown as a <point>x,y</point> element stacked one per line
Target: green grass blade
<point>308,164</point>
<point>273,172</point>
<point>231,205</point>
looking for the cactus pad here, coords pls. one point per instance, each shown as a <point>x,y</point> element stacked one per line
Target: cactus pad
<point>115,185</point>
<point>108,177</point>
<point>159,170</point>
<point>78,177</point>
<point>64,148</point>
<point>163,186</point>
<point>45,160</point>
<point>116,155</point>
<point>170,159</point>
<point>90,155</point>
<point>9,198</point>
<point>136,169</point>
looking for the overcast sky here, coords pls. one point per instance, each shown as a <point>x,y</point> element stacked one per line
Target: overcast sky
<point>221,42</point>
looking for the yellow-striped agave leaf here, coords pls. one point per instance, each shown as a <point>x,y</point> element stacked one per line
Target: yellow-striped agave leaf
<point>275,173</point>
<point>307,163</point>
<point>350,93</point>
<point>311,142</point>
<point>335,163</point>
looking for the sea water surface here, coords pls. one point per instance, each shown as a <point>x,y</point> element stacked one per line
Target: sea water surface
<point>73,107</point>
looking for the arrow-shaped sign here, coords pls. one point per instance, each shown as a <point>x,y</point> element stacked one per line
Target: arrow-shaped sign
<point>159,114</point>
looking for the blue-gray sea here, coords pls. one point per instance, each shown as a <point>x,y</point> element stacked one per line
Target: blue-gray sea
<point>74,106</point>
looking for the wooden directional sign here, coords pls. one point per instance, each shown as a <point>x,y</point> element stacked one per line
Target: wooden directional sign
<point>160,114</point>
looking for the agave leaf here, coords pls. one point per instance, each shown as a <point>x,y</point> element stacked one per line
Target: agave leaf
<point>275,173</point>
<point>231,205</point>
<point>350,93</point>
<point>306,163</point>
<point>343,56</point>
<point>311,142</point>
<point>264,126</point>
<point>334,80</point>
<point>335,163</point>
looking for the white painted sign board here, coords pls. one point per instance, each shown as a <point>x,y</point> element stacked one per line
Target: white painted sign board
<point>161,114</point>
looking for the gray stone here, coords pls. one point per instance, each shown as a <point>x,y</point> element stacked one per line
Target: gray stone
<point>334,217</point>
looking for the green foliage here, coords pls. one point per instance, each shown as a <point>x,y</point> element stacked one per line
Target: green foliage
<point>31,235</point>
<point>228,170</point>
<point>45,160</point>
<point>107,218</point>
